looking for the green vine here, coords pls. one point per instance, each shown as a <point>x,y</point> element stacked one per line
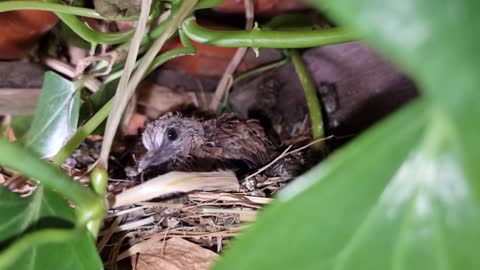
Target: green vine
<point>258,38</point>
<point>311,96</point>
<point>59,8</point>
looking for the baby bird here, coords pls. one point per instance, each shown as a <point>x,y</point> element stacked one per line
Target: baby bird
<point>176,139</point>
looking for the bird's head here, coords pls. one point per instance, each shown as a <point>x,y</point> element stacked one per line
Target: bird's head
<point>169,137</point>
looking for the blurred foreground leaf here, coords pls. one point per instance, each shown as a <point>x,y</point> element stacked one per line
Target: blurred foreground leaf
<point>316,217</point>
<point>55,117</point>
<point>435,41</point>
<point>406,194</point>
<point>69,248</point>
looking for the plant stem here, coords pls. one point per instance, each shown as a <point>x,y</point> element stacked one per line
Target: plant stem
<point>226,81</point>
<point>122,96</point>
<point>99,181</point>
<point>202,4</point>
<point>261,69</point>
<point>158,61</point>
<point>310,95</point>
<point>253,72</point>
<point>266,38</point>
<point>26,162</point>
<point>90,35</point>
<point>61,8</point>
<point>157,31</point>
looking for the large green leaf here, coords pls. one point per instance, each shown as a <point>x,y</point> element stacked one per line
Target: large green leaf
<point>399,197</point>
<point>19,214</point>
<point>320,214</point>
<point>56,116</point>
<point>383,202</point>
<point>436,42</point>
<point>44,209</point>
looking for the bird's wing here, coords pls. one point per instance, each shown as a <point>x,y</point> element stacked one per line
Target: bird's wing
<point>241,140</point>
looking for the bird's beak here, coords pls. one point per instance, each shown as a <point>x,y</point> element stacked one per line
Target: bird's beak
<point>155,157</point>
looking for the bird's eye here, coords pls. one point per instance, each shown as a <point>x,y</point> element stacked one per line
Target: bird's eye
<point>172,134</point>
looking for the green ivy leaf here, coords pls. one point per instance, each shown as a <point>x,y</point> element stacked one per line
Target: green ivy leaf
<point>44,211</point>
<point>56,116</point>
<point>19,214</point>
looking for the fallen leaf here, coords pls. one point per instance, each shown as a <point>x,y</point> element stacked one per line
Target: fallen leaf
<point>177,182</point>
<point>174,254</point>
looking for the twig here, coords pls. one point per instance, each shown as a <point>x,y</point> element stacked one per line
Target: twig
<point>109,58</point>
<point>108,233</point>
<point>234,203</point>
<point>309,144</point>
<point>228,197</point>
<point>161,204</point>
<point>261,69</point>
<point>135,224</point>
<point>126,211</point>
<point>282,155</point>
<point>245,215</point>
<point>286,153</point>
<point>91,83</point>
<point>272,181</point>
<point>114,255</point>
<point>227,78</point>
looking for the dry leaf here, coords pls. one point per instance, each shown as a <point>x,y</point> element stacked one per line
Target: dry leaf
<point>175,182</point>
<point>174,254</point>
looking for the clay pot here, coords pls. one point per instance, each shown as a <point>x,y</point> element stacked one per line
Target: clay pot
<point>212,61</point>
<point>267,8</point>
<point>20,30</point>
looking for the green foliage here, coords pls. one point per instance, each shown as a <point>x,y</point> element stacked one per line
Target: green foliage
<point>405,194</point>
<point>23,160</point>
<point>35,227</point>
<point>43,209</point>
<point>56,116</point>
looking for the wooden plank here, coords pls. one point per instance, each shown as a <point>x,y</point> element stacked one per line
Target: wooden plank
<point>18,101</point>
<point>20,84</point>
